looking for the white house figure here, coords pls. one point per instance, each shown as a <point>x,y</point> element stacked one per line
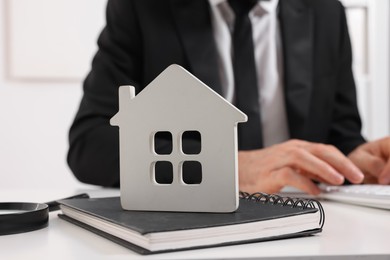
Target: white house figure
<point>174,105</point>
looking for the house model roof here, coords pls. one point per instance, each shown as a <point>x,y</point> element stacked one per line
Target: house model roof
<point>177,93</point>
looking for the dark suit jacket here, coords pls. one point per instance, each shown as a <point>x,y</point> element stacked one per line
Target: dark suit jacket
<point>143,37</point>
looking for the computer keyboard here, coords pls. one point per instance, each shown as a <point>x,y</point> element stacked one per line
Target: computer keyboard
<point>370,195</point>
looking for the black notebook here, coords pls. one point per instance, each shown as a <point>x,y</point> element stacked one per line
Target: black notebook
<point>259,217</point>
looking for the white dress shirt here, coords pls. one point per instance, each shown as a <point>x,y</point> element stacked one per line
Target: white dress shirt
<point>268,58</point>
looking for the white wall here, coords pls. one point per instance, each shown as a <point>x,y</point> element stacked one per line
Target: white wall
<point>36,112</point>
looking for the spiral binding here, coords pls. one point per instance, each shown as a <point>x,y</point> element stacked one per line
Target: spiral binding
<point>275,199</point>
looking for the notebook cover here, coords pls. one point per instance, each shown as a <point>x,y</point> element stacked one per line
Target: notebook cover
<point>143,251</point>
<point>145,222</point>
<point>110,210</point>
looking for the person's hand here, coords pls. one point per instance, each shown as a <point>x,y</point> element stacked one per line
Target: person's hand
<point>373,159</point>
<point>294,163</point>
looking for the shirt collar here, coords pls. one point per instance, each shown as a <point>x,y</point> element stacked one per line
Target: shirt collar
<point>216,2</point>
<point>268,6</point>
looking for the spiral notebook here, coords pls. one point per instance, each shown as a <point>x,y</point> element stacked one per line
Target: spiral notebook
<point>259,217</point>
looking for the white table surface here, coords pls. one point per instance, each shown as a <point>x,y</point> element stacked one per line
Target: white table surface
<point>350,231</point>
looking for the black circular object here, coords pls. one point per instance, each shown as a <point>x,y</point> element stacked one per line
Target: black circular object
<point>32,216</point>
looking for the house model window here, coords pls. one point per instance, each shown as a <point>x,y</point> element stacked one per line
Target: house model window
<point>178,146</point>
<point>189,172</point>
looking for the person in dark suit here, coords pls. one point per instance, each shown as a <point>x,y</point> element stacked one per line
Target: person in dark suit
<point>321,135</point>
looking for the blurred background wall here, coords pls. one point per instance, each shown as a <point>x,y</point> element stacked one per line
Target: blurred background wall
<point>46,48</point>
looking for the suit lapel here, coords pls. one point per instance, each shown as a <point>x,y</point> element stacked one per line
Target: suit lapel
<point>193,22</point>
<point>297,36</point>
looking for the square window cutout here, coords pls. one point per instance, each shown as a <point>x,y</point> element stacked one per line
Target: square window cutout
<point>163,172</point>
<point>162,142</point>
<point>191,142</point>
<point>192,172</point>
